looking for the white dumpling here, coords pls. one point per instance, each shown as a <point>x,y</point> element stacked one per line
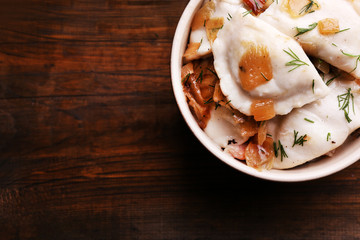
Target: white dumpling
<point>222,128</point>
<point>291,86</point>
<point>222,9</point>
<point>341,49</point>
<point>356,5</point>
<point>323,123</point>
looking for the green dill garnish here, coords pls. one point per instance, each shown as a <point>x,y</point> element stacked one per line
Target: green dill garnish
<point>355,56</point>
<point>261,123</point>
<point>296,62</point>
<point>304,30</point>
<point>217,29</point>
<point>328,137</point>
<point>211,85</point>
<point>217,104</point>
<point>186,78</point>
<point>200,77</point>
<point>299,141</point>
<point>309,120</point>
<point>343,30</point>
<point>344,103</point>
<point>308,7</point>
<point>229,17</point>
<point>210,100</point>
<point>269,135</point>
<point>313,86</point>
<point>331,79</point>
<point>264,76</point>
<point>334,44</point>
<point>200,44</point>
<point>281,148</point>
<point>322,75</point>
<point>227,102</point>
<point>282,151</point>
<point>256,4</point>
<point>276,149</point>
<point>204,22</point>
<point>213,72</point>
<point>246,13</point>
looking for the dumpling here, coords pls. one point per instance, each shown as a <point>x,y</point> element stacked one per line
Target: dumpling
<point>222,128</point>
<point>212,16</point>
<point>356,4</point>
<point>262,71</point>
<point>328,29</point>
<point>318,128</point>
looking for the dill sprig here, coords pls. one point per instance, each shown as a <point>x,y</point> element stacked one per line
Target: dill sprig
<point>186,78</point>
<point>309,120</point>
<point>229,17</point>
<point>213,72</point>
<point>299,141</point>
<point>328,137</point>
<point>331,79</point>
<point>266,79</point>
<point>281,149</point>
<point>344,101</point>
<point>257,4</point>
<point>308,7</point>
<point>217,104</point>
<point>200,44</point>
<point>352,55</point>
<point>313,86</point>
<point>296,62</point>
<point>304,30</point>
<point>200,77</point>
<point>210,100</point>
<point>246,13</point>
<point>343,30</point>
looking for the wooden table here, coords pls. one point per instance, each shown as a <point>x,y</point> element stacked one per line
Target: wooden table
<point>93,146</point>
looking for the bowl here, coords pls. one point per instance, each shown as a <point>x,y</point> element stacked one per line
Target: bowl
<point>345,155</point>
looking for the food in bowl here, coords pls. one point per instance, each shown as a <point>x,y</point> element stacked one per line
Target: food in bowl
<point>274,84</point>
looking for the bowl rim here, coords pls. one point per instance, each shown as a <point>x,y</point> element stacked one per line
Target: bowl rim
<point>290,175</point>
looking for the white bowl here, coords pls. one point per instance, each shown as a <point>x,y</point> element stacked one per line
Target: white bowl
<point>346,155</point>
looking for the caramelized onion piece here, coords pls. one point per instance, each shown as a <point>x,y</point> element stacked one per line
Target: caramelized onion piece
<point>218,95</point>
<point>255,67</point>
<point>257,6</point>
<point>262,131</point>
<point>262,109</point>
<point>203,15</point>
<point>260,156</point>
<point>236,150</point>
<point>191,53</point>
<point>220,99</point>
<point>197,79</point>
<point>297,8</point>
<point>212,26</point>
<point>186,70</point>
<point>328,26</point>
<point>201,112</point>
<point>247,124</point>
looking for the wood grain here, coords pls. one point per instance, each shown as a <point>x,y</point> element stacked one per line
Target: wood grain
<point>93,146</point>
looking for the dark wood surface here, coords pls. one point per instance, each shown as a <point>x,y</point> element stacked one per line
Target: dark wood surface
<point>93,146</point>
